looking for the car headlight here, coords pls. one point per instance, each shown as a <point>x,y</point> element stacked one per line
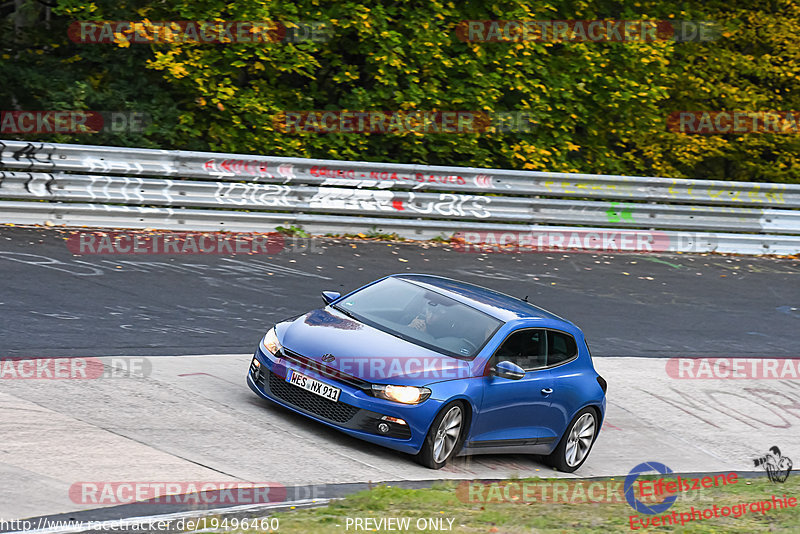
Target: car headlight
<point>270,342</point>
<point>403,394</point>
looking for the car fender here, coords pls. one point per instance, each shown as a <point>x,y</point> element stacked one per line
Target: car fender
<point>467,390</point>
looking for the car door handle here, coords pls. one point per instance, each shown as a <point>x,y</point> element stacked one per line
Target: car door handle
<point>547,391</point>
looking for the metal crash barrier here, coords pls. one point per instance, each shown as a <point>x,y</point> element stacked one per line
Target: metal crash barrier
<point>77,185</point>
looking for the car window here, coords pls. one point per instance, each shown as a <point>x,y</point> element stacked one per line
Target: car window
<point>389,299</point>
<point>561,347</point>
<point>421,316</point>
<point>526,348</point>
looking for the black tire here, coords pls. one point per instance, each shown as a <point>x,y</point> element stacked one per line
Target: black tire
<point>427,456</point>
<point>559,457</point>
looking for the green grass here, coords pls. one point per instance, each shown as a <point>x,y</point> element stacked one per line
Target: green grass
<point>442,501</point>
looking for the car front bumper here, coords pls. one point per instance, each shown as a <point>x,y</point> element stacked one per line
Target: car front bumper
<point>356,413</point>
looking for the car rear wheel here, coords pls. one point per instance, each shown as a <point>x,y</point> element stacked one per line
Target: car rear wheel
<point>575,444</point>
<point>444,437</point>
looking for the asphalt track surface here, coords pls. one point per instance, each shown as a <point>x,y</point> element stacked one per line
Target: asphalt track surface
<point>196,319</point>
<point>192,419</point>
<point>55,303</point>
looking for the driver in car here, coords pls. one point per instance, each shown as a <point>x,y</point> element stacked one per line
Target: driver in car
<point>431,318</point>
<point>435,321</point>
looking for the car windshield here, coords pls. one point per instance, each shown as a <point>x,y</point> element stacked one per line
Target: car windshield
<point>421,316</point>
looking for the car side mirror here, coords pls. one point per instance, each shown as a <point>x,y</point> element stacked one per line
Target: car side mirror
<point>510,370</point>
<point>330,296</point>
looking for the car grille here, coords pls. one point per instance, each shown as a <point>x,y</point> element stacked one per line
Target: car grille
<point>305,400</point>
<point>324,370</point>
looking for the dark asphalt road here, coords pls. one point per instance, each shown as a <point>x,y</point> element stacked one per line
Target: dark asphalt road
<point>53,303</point>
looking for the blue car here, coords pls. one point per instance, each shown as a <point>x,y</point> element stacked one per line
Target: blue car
<point>437,368</point>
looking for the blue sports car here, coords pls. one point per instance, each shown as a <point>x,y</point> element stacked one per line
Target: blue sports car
<point>437,368</point>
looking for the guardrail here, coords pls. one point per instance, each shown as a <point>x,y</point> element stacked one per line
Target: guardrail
<point>143,188</point>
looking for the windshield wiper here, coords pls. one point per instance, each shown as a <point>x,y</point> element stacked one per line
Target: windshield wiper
<point>347,313</point>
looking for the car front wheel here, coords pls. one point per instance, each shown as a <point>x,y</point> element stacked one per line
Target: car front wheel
<point>575,444</point>
<point>444,437</point>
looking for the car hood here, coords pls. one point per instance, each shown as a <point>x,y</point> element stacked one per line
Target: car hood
<point>365,352</point>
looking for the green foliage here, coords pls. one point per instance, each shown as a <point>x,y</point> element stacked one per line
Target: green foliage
<point>292,231</point>
<point>752,67</point>
<point>596,107</point>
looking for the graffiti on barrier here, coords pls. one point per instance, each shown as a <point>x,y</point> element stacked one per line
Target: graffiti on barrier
<point>36,155</point>
<point>240,167</point>
<point>270,195</point>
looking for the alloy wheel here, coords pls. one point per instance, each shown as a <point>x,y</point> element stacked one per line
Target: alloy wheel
<point>580,440</point>
<point>447,434</point>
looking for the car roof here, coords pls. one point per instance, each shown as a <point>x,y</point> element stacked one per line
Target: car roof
<point>498,305</point>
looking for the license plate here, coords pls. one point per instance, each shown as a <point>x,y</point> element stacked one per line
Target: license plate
<point>314,386</point>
